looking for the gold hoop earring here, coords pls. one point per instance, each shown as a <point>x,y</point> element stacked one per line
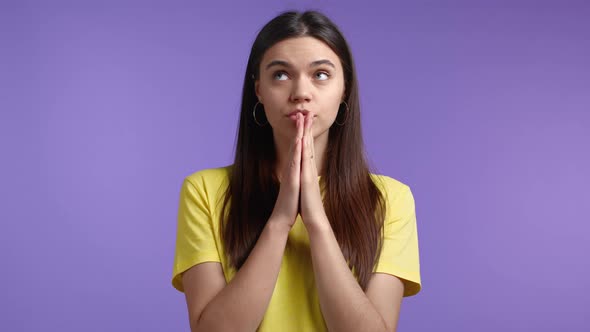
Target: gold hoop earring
<point>254,115</point>
<point>345,114</point>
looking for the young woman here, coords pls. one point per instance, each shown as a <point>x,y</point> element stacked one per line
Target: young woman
<point>297,234</point>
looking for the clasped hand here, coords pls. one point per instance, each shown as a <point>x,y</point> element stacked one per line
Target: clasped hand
<point>300,190</point>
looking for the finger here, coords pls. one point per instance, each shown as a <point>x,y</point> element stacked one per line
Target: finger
<point>312,165</point>
<point>287,169</point>
<point>299,137</point>
<point>308,137</point>
<point>300,125</point>
<point>311,139</point>
<point>306,157</point>
<point>296,156</point>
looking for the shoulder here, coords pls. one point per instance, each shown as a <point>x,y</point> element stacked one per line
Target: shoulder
<point>206,188</point>
<point>209,177</point>
<point>390,187</point>
<point>397,195</point>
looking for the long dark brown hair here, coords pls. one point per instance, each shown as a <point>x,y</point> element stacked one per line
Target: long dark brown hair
<point>353,203</point>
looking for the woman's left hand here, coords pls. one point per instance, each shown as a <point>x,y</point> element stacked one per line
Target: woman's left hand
<point>312,207</point>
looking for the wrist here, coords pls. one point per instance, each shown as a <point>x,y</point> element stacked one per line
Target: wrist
<point>318,226</point>
<point>278,225</point>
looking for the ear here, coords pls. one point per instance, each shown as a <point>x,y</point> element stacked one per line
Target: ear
<point>256,90</point>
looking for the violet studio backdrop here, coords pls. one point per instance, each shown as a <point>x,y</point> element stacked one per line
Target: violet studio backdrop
<point>482,107</point>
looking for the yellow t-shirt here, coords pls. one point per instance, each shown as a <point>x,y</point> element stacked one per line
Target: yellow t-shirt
<point>294,305</point>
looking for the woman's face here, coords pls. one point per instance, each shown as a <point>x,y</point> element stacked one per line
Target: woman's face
<point>300,74</point>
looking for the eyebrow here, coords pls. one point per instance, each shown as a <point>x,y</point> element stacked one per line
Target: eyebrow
<point>288,65</point>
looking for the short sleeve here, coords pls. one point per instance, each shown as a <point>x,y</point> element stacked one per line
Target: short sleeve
<point>195,237</point>
<point>399,255</point>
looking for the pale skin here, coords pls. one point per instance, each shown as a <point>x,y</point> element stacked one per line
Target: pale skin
<point>296,82</point>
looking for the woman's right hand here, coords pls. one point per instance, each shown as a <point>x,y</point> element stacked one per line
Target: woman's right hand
<point>287,205</point>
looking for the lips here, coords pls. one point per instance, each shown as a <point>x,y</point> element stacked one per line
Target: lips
<point>303,112</point>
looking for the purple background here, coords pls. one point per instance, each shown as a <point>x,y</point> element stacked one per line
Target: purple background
<point>482,107</point>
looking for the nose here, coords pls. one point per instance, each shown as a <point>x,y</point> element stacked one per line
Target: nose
<point>301,90</point>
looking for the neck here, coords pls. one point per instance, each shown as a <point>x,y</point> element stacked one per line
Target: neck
<point>282,145</point>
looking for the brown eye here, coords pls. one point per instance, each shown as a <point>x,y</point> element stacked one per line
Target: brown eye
<point>278,74</point>
<point>324,77</point>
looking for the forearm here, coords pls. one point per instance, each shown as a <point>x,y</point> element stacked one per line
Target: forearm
<point>241,304</point>
<point>344,305</point>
